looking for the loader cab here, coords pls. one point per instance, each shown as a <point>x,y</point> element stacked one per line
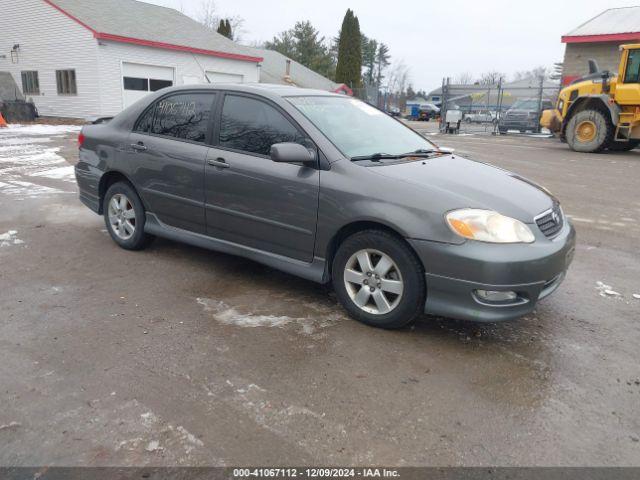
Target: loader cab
<point>627,90</point>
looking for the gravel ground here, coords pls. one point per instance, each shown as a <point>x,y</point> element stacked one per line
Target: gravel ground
<point>181,356</point>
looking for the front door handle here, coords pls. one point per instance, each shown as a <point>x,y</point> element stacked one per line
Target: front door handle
<point>139,147</point>
<point>219,162</point>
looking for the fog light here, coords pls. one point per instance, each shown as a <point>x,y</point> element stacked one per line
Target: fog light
<point>496,296</point>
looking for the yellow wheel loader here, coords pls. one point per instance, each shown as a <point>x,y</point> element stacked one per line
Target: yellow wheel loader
<point>600,111</point>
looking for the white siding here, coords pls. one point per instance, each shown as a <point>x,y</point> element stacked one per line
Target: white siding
<point>50,41</point>
<point>111,55</point>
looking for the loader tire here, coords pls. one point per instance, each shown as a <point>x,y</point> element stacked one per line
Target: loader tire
<point>589,131</point>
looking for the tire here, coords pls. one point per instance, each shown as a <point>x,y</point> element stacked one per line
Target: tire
<point>502,131</point>
<point>597,133</point>
<point>623,146</point>
<point>125,217</point>
<point>404,275</point>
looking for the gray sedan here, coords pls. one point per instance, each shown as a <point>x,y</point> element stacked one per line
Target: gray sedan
<point>328,188</point>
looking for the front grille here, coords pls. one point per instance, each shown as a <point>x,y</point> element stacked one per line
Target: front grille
<point>551,222</point>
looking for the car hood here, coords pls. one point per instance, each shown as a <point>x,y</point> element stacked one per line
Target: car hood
<point>457,182</point>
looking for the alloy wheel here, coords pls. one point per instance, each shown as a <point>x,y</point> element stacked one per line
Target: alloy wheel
<point>122,216</point>
<point>373,281</point>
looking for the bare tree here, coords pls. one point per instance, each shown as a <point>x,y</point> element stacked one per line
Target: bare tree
<point>464,78</point>
<point>398,77</point>
<point>491,77</point>
<point>537,72</point>
<point>208,16</point>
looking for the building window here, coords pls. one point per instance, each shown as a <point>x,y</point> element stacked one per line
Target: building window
<point>145,84</point>
<point>133,83</point>
<point>66,82</point>
<point>30,83</point>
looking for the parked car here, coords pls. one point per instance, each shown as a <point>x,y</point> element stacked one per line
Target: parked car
<point>524,115</point>
<point>330,189</point>
<point>394,111</point>
<point>427,112</point>
<point>486,116</point>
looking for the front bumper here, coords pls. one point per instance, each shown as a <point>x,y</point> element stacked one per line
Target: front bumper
<point>456,272</point>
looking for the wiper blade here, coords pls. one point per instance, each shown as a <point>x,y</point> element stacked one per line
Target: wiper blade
<point>375,157</point>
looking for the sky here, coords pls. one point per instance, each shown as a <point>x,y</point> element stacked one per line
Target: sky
<point>434,39</point>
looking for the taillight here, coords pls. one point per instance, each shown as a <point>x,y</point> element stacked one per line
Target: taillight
<point>80,140</point>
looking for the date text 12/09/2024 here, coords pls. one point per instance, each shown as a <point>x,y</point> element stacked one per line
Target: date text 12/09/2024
<point>315,473</point>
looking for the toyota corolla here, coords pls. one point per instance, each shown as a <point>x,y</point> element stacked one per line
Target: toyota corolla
<point>328,188</point>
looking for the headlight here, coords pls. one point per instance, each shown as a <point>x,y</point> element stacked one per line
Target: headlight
<point>488,226</point>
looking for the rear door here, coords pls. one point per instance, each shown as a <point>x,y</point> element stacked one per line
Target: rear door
<point>250,199</point>
<point>167,151</point>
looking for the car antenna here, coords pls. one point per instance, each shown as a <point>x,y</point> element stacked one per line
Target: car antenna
<point>206,77</point>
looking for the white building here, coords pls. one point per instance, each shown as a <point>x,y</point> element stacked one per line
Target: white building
<point>92,58</point>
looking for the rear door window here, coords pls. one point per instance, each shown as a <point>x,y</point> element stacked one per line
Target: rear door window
<point>184,116</point>
<point>252,126</point>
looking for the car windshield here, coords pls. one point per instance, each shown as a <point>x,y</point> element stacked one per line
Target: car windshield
<point>525,105</point>
<point>358,129</point>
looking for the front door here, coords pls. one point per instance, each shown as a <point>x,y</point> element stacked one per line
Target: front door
<point>250,199</point>
<point>168,149</point>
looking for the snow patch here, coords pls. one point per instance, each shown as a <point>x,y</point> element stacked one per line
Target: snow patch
<point>61,173</point>
<point>606,290</point>
<point>49,130</point>
<point>10,238</point>
<point>636,296</point>
<point>227,315</point>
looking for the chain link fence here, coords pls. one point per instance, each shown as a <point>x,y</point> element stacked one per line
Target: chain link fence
<point>502,108</point>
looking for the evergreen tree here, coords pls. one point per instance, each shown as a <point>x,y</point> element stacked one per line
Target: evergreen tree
<point>349,68</point>
<point>304,44</point>
<point>369,50</point>
<point>228,29</point>
<point>224,28</point>
<point>382,62</point>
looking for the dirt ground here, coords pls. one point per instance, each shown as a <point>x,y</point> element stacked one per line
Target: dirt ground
<point>181,356</point>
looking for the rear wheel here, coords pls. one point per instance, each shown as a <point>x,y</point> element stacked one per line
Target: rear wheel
<point>124,217</point>
<point>379,280</point>
<point>589,131</point>
<point>623,146</point>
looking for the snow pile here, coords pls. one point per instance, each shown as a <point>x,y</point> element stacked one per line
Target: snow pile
<point>48,130</point>
<point>606,290</point>
<point>10,238</point>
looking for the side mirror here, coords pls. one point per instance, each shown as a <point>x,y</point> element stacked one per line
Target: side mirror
<point>291,153</point>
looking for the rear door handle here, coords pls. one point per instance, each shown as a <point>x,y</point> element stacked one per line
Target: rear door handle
<point>138,147</point>
<point>218,162</point>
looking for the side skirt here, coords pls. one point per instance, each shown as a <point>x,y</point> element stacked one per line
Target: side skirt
<point>315,271</point>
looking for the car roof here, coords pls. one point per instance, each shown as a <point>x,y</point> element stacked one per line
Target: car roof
<point>266,89</point>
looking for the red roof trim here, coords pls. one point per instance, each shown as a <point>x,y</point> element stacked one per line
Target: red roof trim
<point>343,88</point>
<point>150,43</point>
<point>49,2</point>
<point>611,37</point>
<point>170,46</point>
<point>566,80</point>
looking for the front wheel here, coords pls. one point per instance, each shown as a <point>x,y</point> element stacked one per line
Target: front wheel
<point>379,280</point>
<point>124,217</point>
<point>589,131</point>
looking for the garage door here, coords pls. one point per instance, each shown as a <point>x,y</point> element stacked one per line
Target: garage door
<point>138,80</point>
<point>220,77</point>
